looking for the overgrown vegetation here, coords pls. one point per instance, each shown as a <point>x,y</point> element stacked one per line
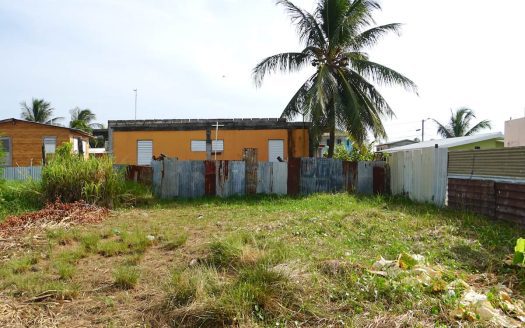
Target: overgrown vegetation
<point>70,178</point>
<point>19,197</point>
<point>261,262</point>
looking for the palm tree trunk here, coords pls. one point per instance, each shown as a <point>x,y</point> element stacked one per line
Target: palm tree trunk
<point>331,141</point>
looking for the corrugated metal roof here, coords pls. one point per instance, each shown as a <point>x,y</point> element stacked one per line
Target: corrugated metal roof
<point>448,143</point>
<point>7,120</point>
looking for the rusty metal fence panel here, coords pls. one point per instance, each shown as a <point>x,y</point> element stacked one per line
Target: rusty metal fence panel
<point>190,179</point>
<point>230,178</point>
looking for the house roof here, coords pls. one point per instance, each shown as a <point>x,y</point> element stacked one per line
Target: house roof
<point>397,142</point>
<point>13,120</point>
<point>203,124</point>
<point>448,143</point>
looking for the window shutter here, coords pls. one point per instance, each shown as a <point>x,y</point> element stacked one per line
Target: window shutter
<point>144,152</point>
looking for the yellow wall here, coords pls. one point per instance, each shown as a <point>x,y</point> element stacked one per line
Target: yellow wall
<point>487,144</point>
<point>178,143</point>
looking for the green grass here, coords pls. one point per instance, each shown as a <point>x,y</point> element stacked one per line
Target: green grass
<point>19,197</point>
<point>264,261</point>
<point>126,277</point>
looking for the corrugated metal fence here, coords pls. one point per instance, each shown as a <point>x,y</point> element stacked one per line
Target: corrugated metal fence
<point>190,179</point>
<point>420,174</point>
<point>489,182</point>
<point>20,173</point>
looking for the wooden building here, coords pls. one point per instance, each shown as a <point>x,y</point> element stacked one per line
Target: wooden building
<point>136,142</point>
<point>27,143</point>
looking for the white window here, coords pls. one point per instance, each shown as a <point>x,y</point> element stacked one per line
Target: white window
<point>198,145</point>
<point>144,152</point>
<point>50,145</point>
<point>217,145</point>
<point>5,146</point>
<point>275,149</point>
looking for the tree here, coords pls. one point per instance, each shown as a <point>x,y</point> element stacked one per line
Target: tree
<point>82,119</point>
<point>340,93</point>
<point>459,124</point>
<point>39,111</point>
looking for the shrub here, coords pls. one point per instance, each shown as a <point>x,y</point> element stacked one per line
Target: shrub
<point>71,178</point>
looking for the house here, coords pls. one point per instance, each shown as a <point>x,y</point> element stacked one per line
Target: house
<point>394,144</point>
<point>479,141</point>
<point>135,142</point>
<point>341,138</point>
<point>27,143</point>
<point>515,133</point>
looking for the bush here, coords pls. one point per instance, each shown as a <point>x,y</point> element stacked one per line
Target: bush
<point>71,178</point>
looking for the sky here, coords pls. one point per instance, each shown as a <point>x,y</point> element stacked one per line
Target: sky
<point>193,58</point>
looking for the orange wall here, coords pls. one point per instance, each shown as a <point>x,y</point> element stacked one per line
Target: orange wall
<point>27,139</point>
<point>178,143</point>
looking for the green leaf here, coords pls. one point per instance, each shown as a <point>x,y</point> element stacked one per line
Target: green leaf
<point>519,252</point>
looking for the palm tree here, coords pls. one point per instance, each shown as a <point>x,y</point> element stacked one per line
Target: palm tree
<point>459,124</point>
<point>39,111</point>
<point>340,93</point>
<point>82,119</point>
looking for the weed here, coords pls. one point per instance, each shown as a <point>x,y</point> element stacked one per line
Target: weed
<point>23,264</point>
<point>89,241</point>
<point>112,247</point>
<point>65,270</point>
<point>70,178</point>
<point>126,277</point>
<point>175,242</point>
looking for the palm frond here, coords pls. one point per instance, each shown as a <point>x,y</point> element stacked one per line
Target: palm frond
<point>285,62</point>
<point>307,26</point>
<point>443,130</point>
<point>485,124</point>
<point>382,74</point>
<point>371,36</point>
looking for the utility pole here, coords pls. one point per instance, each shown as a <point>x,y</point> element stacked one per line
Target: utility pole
<point>136,91</point>
<point>422,130</point>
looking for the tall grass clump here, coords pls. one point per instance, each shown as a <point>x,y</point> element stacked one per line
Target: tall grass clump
<point>17,197</point>
<point>69,178</point>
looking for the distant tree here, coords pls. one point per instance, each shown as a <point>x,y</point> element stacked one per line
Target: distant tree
<point>39,111</point>
<point>82,119</point>
<point>340,94</point>
<point>459,124</point>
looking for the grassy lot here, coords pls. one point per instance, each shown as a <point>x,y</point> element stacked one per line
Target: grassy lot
<point>258,262</point>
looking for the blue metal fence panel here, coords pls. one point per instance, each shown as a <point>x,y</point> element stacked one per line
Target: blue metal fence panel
<point>321,175</point>
<point>21,173</point>
<point>280,178</point>
<point>307,180</point>
<point>172,178</point>
<point>190,175</point>
<point>365,176</point>
<point>272,178</point>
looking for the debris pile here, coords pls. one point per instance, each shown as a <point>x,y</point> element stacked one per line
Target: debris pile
<point>56,213</point>
<point>496,305</point>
